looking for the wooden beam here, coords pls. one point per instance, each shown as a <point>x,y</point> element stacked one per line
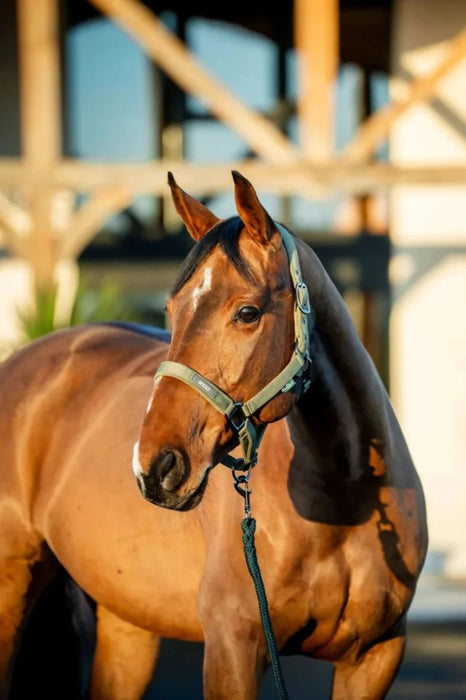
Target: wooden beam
<point>316,28</point>
<point>376,128</point>
<point>14,217</point>
<point>15,226</point>
<point>91,216</point>
<point>177,62</point>
<point>204,179</point>
<point>40,122</point>
<point>207,179</point>
<point>215,179</point>
<point>14,172</point>
<point>139,178</point>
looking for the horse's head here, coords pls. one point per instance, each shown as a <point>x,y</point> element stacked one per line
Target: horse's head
<point>232,316</point>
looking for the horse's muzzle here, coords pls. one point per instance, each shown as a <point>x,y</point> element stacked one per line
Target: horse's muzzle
<point>162,485</point>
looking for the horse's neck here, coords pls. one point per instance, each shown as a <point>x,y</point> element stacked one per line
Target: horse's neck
<point>342,427</point>
<point>342,412</point>
<point>347,392</point>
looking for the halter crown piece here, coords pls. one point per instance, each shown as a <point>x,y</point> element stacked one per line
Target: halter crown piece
<point>240,415</point>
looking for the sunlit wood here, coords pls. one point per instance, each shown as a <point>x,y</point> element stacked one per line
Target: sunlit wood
<point>208,179</point>
<point>317,47</point>
<point>14,217</point>
<point>15,226</point>
<point>39,64</point>
<point>376,128</point>
<point>92,215</point>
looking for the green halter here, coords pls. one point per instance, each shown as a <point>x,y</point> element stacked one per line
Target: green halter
<point>239,415</point>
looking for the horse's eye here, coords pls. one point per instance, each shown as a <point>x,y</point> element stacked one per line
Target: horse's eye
<point>249,314</point>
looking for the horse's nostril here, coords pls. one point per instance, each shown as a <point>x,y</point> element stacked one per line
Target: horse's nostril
<point>170,469</point>
<point>166,464</point>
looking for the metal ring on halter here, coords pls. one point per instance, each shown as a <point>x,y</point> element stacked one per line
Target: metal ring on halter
<point>236,417</point>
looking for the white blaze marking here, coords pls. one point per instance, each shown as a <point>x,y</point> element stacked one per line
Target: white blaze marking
<point>202,288</point>
<point>149,405</point>
<point>151,400</point>
<point>137,469</point>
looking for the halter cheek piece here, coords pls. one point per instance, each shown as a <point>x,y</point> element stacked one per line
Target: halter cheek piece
<point>239,415</point>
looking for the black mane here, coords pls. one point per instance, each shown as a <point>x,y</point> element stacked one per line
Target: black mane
<point>226,234</point>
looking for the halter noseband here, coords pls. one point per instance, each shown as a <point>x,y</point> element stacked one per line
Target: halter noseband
<point>239,415</point>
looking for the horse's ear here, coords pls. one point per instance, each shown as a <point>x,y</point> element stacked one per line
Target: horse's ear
<point>256,219</point>
<point>195,216</point>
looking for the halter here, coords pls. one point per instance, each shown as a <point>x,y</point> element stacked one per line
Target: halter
<point>240,415</point>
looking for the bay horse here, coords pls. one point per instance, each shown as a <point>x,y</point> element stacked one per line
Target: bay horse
<point>341,532</point>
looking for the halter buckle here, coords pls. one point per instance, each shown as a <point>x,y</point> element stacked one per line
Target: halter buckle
<point>236,417</point>
<point>302,297</point>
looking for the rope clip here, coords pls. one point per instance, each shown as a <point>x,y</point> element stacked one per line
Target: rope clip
<point>241,484</point>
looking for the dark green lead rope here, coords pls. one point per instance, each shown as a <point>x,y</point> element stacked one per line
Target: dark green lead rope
<point>248,526</point>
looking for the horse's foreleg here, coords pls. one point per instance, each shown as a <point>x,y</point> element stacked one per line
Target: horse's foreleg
<point>124,659</point>
<point>370,677</point>
<point>234,661</point>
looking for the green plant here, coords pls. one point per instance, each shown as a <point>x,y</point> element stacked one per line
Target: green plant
<point>40,321</point>
<point>104,303</point>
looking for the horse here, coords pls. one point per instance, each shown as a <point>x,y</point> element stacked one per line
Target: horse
<point>341,527</point>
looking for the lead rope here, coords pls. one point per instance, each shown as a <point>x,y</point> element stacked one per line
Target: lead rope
<point>248,526</point>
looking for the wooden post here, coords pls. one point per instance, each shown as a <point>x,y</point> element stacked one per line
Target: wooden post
<point>40,125</point>
<point>317,48</point>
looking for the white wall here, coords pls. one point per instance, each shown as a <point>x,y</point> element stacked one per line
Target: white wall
<point>428,225</point>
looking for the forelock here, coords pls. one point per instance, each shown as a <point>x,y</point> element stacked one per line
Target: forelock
<point>225,234</point>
